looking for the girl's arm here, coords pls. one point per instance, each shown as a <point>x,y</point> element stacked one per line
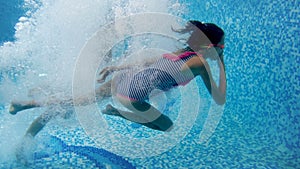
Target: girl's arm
<point>218,93</point>
<point>199,66</point>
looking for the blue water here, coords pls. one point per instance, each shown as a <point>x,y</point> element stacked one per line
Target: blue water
<point>11,11</point>
<point>260,124</point>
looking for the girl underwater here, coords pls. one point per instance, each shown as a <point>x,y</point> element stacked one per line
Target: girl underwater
<point>132,87</point>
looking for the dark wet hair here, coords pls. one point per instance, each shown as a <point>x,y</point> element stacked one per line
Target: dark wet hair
<point>212,31</point>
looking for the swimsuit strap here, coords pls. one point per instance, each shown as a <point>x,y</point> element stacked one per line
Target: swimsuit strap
<point>174,57</point>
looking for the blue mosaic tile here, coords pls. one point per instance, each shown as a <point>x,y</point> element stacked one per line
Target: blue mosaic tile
<point>260,127</point>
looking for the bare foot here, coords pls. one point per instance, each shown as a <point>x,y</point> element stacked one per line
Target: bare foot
<point>110,110</point>
<point>15,108</point>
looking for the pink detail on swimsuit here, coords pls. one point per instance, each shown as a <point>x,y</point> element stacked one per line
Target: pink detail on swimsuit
<point>126,97</point>
<point>184,83</point>
<point>174,57</point>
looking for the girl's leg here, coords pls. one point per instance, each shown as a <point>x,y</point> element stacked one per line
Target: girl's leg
<point>142,113</point>
<point>38,124</point>
<point>102,92</point>
<point>26,144</point>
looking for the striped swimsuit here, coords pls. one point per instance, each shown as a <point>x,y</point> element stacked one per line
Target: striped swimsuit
<point>137,84</point>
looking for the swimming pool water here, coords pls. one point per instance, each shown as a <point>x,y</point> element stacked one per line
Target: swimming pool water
<point>11,11</point>
<point>259,127</point>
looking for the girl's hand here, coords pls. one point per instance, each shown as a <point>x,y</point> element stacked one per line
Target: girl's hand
<point>106,72</point>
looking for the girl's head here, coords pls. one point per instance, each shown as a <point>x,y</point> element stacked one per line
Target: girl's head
<point>210,30</point>
<point>204,36</point>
